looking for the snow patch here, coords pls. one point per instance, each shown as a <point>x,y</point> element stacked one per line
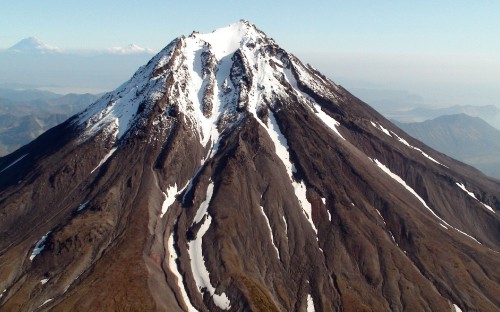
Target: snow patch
<point>381,217</point>
<point>44,281</point>
<point>195,249</point>
<point>46,301</point>
<point>328,120</point>
<point>82,206</point>
<point>300,191</point>
<point>172,264</point>
<point>111,152</point>
<point>281,146</point>
<point>39,246</point>
<point>270,230</point>
<point>460,185</point>
<point>169,199</point>
<point>14,162</point>
<point>310,303</point>
<point>379,127</point>
<point>400,139</point>
<point>403,183</point>
<point>202,210</point>
<point>457,308</point>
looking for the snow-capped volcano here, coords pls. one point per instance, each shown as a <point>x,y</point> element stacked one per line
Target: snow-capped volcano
<point>129,49</point>
<point>33,45</point>
<point>227,175</point>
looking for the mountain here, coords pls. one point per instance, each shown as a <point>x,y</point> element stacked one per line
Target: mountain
<point>23,116</point>
<point>227,175</point>
<point>130,49</point>
<point>33,45</point>
<point>31,62</point>
<point>466,138</point>
<point>22,95</point>
<point>489,113</point>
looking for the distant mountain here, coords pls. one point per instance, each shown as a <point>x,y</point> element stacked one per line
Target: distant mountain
<point>23,117</point>
<point>33,45</point>
<point>466,138</point>
<point>26,94</point>
<point>32,62</point>
<point>489,113</point>
<point>130,49</point>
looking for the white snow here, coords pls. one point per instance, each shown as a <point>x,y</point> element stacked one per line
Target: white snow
<point>270,230</point>
<point>39,246</point>
<point>14,162</point>
<point>118,109</point>
<point>44,281</point>
<point>457,308</point>
<point>403,183</point>
<point>3,292</point>
<point>328,120</point>
<point>46,301</point>
<point>111,152</point>
<point>300,192</point>
<point>286,225</point>
<point>225,41</point>
<point>310,303</point>
<point>393,239</point>
<point>281,147</point>
<point>381,128</point>
<point>381,217</point>
<point>169,199</point>
<point>202,210</point>
<point>460,185</point>
<point>195,249</point>
<point>329,215</point>
<point>400,139</point>
<point>172,264</point>
<point>323,200</point>
<point>83,206</point>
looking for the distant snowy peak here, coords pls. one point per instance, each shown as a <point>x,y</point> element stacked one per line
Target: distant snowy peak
<point>33,45</point>
<point>129,49</point>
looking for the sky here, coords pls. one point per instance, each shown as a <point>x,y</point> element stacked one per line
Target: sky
<point>446,51</point>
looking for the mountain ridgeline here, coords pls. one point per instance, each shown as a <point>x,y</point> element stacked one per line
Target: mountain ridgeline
<point>468,139</point>
<point>227,175</point>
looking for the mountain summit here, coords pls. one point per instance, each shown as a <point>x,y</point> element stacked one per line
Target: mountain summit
<point>227,175</point>
<point>33,45</point>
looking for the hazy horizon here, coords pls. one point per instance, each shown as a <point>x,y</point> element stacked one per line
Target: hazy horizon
<point>445,52</point>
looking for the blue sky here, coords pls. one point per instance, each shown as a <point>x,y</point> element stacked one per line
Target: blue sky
<point>387,44</point>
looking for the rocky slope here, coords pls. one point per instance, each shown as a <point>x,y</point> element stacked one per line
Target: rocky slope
<point>227,175</point>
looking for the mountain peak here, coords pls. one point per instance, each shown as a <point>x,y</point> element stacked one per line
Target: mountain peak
<point>227,175</point>
<point>217,79</point>
<point>33,45</point>
<point>130,49</point>
<point>227,40</point>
